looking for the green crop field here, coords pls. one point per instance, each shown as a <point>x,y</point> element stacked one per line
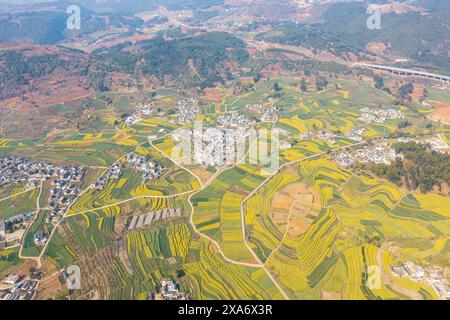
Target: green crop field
<point>309,230</point>
<point>23,202</point>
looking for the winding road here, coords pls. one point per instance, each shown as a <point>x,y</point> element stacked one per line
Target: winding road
<point>191,193</point>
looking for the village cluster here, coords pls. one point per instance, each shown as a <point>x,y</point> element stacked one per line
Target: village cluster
<point>187,111</point>
<point>266,113</point>
<point>380,116</point>
<point>380,152</point>
<point>235,120</point>
<point>65,188</point>
<point>230,27</point>
<point>114,172</point>
<point>435,143</point>
<point>15,287</point>
<point>217,148</point>
<point>355,133</point>
<point>141,111</point>
<point>22,170</point>
<point>330,137</point>
<point>150,170</point>
<point>214,147</point>
<point>324,135</point>
<point>429,275</point>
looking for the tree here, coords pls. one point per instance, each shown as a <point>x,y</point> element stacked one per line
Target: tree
<point>307,71</point>
<point>277,87</point>
<point>403,124</point>
<point>393,174</point>
<point>304,85</point>
<point>321,83</point>
<point>423,168</point>
<point>180,273</point>
<point>405,90</point>
<point>379,82</point>
<point>257,77</point>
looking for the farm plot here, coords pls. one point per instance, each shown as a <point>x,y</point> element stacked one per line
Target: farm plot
<point>8,259</point>
<point>39,227</point>
<point>131,266</point>
<point>267,215</point>
<point>333,258</point>
<point>130,186</point>
<point>20,204</point>
<point>217,209</point>
<point>151,127</point>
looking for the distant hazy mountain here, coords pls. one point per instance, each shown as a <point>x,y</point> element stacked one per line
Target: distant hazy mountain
<point>126,6</point>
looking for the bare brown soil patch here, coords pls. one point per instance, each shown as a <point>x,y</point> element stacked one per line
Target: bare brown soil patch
<point>295,207</point>
<point>442,113</point>
<point>400,8</point>
<point>417,93</point>
<point>213,94</point>
<point>203,174</point>
<point>272,70</point>
<point>50,286</point>
<point>377,47</point>
<point>330,295</point>
<point>21,270</point>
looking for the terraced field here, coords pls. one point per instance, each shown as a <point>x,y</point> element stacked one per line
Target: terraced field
<point>334,256</point>
<point>310,230</point>
<point>174,181</point>
<point>131,265</point>
<point>217,209</point>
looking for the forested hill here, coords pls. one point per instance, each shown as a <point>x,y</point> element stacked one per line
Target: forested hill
<point>133,6</point>
<point>421,37</point>
<point>23,68</point>
<point>49,25</point>
<point>198,60</point>
<point>115,6</point>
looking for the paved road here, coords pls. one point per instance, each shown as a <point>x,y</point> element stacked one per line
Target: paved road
<point>244,231</point>
<point>17,194</point>
<point>22,241</point>
<point>192,193</point>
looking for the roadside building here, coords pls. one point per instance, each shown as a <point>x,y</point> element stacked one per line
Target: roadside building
<point>170,291</point>
<point>12,279</point>
<point>442,290</point>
